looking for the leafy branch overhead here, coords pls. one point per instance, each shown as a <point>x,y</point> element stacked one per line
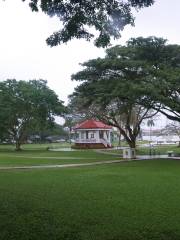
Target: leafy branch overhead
<point>78,17</point>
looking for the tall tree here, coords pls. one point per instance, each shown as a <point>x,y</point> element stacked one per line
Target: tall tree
<point>112,92</point>
<point>26,106</point>
<point>107,17</point>
<point>150,124</point>
<point>131,81</point>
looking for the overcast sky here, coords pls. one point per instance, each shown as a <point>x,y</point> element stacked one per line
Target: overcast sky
<point>25,55</point>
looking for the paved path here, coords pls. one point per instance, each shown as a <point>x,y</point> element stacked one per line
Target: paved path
<point>64,165</point>
<point>140,158</point>
<point>57,158</point>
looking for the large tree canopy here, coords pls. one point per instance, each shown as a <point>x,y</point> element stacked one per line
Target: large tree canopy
<point>26,106</point>
<point>130,82</point>
<point>152,66</point>
<point>162,68</point>
<point>107,17</point>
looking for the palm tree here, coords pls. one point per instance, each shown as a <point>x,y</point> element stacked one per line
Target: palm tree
<point>150,124</point>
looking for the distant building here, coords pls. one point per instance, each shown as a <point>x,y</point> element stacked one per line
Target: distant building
<point>92,134</point>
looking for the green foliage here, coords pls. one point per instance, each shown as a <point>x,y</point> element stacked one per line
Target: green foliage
<point>162,68</point>
<point>107,17</point>
<point>27,106</point>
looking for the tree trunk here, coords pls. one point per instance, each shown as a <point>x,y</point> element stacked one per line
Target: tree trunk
<point>119,144</point>
<point>18,146</point>
<point>70,136</point>
<point>131,139</point>
<point>132,144</point>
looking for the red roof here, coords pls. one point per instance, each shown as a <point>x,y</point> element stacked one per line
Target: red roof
<point>92,124</point>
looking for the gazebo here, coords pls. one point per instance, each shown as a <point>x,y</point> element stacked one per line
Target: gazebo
<point>92,134</point>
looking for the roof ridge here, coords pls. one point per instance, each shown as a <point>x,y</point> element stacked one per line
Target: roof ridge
<point>92,124</point>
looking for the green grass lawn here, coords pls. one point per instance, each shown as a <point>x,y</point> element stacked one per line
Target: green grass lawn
<point>36,154</point>
<point>127,201</point>
<point>30,157</point>
<point>38,146</point>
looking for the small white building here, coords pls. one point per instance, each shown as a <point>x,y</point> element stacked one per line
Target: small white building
<point>92,134</point>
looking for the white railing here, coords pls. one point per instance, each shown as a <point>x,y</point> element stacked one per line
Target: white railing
<point>103,141</point>
<point>85,141</point>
